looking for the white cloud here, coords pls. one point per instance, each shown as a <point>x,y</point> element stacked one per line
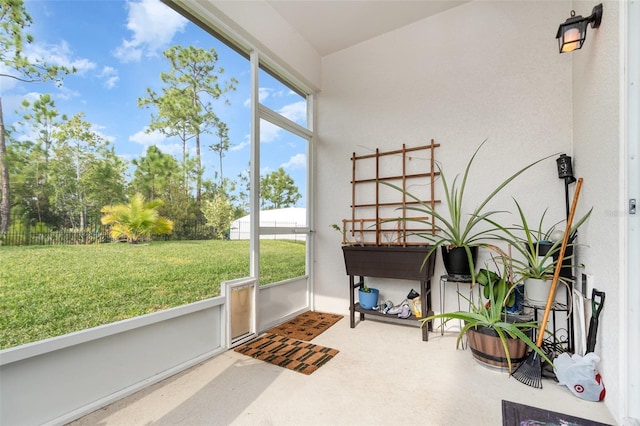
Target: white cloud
<point>265,170</point>
<point>24,132</point>
<point>269,132</point>
<point>158,139</point>
<point>126,157</point>
<point>62,55</point>
<point>298,161</point>
<point>6,83</point>
<point>296,112</point>
<point>263,95</point>
<point>110,76</point>
<point>65,93</point>
<point>128,52</point>
<point>58,54</point>
<point>99,129</point>
<point>31,96</point>
<point>12,102</point>
<point>111,82</point>
<point>239,147</point>
<point>153,25</point>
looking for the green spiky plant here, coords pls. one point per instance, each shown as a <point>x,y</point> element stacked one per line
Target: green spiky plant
<point>454,228</point>
<point>135,221</point>
<point>492,315</point>
<point>526,240</point>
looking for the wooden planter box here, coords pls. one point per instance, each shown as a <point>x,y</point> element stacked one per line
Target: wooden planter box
<point>389,262</point>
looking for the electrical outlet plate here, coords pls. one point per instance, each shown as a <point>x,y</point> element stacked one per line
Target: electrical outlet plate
<point>588,284</point>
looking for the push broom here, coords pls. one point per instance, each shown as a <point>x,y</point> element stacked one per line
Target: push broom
<point>530,371</point>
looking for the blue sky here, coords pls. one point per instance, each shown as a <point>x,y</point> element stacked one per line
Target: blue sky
<point>116,47</point>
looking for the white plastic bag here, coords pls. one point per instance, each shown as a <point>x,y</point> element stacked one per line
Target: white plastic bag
<point>580,376</point>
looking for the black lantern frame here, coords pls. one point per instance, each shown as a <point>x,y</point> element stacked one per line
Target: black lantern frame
<point>573,32</point>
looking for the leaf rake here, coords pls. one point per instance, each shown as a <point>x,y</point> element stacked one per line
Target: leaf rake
<point>530,371</point>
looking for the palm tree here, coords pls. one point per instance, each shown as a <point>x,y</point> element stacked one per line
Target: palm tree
<point>136,221</point>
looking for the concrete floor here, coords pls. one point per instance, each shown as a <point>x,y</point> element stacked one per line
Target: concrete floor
<point>383,375</point>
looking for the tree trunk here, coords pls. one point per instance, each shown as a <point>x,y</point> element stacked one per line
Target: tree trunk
<point>5,187</point>
<point>199,171</point>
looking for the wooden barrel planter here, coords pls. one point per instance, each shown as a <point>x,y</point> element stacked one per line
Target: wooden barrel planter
<point>487,349</point>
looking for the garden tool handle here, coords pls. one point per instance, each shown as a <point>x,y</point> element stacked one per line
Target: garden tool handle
<point>596,307</point>
<point>556,274</point>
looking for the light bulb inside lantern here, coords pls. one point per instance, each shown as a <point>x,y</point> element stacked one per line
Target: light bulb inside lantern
<point>571,40</point>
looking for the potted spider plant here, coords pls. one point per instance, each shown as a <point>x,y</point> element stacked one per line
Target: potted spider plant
<point>495,339</point>
<point>538,253</point>
<point>457,233</point>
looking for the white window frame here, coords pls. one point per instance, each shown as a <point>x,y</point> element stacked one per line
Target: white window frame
<point>197,13</point>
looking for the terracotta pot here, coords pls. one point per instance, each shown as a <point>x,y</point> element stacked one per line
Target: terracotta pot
<point>487,349</point>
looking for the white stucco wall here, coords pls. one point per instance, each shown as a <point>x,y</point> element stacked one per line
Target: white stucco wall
<point>599,151</point>
<point>459,79</point>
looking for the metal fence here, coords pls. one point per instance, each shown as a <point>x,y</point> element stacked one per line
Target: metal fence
<point>22,233</point>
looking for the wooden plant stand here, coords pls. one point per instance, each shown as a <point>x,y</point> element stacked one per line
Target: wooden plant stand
<point>381,238</point>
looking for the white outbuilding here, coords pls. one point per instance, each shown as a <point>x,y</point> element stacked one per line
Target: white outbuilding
<point>291,217</point>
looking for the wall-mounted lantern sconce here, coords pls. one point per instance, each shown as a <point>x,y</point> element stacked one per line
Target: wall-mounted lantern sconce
<point>565,168</point>
<point>573,32</point>
<point>565,171</point>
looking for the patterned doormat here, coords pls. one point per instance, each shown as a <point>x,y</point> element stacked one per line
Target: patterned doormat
<point>514,414</point>
<point>306,326</point>
<point>296,355</point>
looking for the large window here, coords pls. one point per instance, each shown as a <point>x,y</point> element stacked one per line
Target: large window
<point>283,213</point>
<point>124,123</point>
<point>281,144</point>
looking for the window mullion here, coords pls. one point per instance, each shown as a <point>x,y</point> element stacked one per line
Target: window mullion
<point>279,120</point>
<point>254,209</point>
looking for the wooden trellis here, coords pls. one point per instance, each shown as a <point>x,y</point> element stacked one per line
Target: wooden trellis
<point>382,215</point>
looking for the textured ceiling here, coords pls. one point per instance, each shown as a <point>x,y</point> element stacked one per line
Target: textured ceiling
<point>330,26</point>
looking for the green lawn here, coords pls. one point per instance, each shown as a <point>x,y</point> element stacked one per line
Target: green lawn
<point>47,291</point>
